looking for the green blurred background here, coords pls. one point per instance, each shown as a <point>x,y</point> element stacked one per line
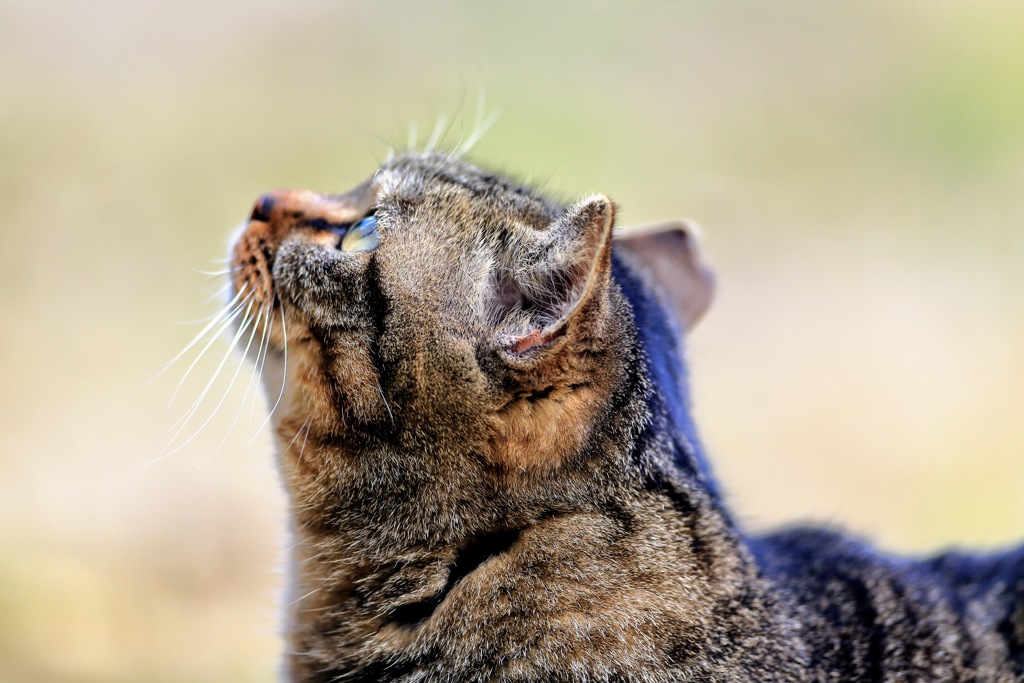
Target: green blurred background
<point>858,168</point>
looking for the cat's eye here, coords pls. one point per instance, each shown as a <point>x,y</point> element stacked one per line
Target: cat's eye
<point>362,236</point>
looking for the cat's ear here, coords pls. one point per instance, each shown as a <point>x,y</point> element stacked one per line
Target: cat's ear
<point>558,281</point>
<point>669,254</point>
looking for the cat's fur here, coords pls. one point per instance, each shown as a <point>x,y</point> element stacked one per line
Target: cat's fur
<point>493,473</point>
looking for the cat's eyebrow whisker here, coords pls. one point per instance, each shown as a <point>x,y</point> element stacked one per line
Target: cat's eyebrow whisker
<point>480,126</point>
<point>199,321</point>
<point>413,136</point>
<point>458,143</point>
<point>481,101</point>
<point>479,131</point>
<point>437,133</point>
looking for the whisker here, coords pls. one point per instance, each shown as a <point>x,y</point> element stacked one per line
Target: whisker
<point>303,429</point>
<point>413,136</point>
<point>223,317</point>
<point>380,391</point>
<point>261,359</point>
<point>190,412</point>
<point>299,431</point>
<point>217,316</point>
<point>479,131</point>
<point>197,321</point>
<point>300,599</point>
<point>207,318</point>
<point>436,135</point>
<point>220,403</point>
<point>217,273</point>
<point>241,405</point>
<point>218,294</point>
<point>481,102</point>
<point>458,150</point>
<point>226,323</point>
<point>284,374</point>
<point>302,450</point>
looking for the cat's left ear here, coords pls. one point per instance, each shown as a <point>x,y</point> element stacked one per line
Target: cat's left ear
<point>558,280</point>
<point>669,254</point>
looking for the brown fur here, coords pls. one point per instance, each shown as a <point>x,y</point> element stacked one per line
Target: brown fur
<point>493,476</point>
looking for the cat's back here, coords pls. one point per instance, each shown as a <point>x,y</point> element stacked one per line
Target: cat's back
<point>952,617</point>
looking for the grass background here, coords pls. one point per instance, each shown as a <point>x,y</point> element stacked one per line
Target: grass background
<point>858,167</point>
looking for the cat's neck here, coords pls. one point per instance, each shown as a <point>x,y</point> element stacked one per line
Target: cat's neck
<point>579,575</point>
<point>370,565</point>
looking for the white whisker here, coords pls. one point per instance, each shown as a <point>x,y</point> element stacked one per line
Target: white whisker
<point>413,136</point>
<point>300,599</point>
<point>302,450</point>
<point>218,294</point>
<point>284,374</point>
<point>226,323</point>
<point>295,438</point>
<point>207,318</point>
<point>214,273</point>
<point>481,107</point>
<point>190,412</point>
<point>437,133</point>
<point>380,391</point>
<point>198,321</point>
<point>304,429</point>
<point>261,359</point>
<point>195,340</point>
<point>479,131</point>
<point>241,405</point>
<point>220,403</point>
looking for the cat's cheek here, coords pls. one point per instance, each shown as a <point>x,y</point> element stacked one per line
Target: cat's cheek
<point>538,436</point>
<point>333,392</point>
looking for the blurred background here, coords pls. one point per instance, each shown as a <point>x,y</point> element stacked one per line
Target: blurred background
<point>858,167</point>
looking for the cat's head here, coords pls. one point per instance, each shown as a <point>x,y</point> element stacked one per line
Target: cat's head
<point>439,317</point>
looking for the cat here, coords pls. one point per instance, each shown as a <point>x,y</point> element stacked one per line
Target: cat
<point>482,413</point>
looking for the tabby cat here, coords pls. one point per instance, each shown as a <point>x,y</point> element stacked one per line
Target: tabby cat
<point>483,418</point>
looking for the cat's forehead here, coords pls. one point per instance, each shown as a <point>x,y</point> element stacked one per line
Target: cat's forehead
<point>447,187</point>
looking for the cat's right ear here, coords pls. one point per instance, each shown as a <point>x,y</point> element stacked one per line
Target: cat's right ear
<point>669,254</point>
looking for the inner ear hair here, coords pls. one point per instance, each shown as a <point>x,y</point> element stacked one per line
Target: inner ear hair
<point>556,285</point>
<point>669,254</point>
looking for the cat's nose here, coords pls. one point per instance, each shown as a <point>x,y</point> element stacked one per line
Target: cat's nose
<point>288,205</point>
<point>261,210</point>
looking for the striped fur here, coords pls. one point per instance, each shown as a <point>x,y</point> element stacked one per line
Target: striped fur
<point>494,476</point>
